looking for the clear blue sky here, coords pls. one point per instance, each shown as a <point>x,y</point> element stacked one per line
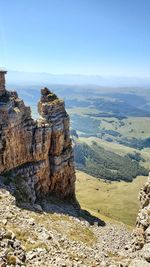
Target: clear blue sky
<point>104,37</point>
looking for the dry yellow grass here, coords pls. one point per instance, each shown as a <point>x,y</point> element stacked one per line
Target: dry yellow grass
<point>117,200</point>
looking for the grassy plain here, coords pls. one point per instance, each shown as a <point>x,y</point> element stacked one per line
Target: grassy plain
<point>137,127</point>
<point>117,200</point>
<point>131,127</point>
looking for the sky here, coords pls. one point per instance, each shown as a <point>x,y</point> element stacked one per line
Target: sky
<point>92,37</point>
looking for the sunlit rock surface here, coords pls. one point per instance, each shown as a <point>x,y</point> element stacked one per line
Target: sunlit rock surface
<point>39,150</point>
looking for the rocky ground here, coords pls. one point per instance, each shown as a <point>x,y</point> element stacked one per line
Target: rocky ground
<point>45,235</point>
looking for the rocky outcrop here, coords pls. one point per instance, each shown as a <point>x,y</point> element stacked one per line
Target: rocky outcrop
<point>39,151</point>
<point>141,235</point>
<point>2,81</point>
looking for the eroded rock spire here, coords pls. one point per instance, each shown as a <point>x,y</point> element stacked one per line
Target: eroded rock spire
<point>39,151</point>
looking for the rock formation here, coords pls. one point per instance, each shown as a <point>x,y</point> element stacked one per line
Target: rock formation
<point>141,235</point>
<point>40,151</point>
<point>2,81</point>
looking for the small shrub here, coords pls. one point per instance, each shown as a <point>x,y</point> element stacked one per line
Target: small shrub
<point>11,259</point>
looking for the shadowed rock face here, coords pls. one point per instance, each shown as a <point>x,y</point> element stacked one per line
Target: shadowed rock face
<point>41,151</point>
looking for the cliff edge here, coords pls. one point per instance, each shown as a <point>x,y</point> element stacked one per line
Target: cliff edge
<point>141,234</point>
<point>38,151</point>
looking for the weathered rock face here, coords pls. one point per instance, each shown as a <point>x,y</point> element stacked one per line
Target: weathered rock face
<point>40,151</point>
<point>141,235</point>
<point>2,81</point>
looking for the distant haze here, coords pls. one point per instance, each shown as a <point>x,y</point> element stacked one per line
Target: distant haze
<point>39,78</point>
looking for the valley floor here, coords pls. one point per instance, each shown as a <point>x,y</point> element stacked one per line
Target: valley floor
<point>116,200</point>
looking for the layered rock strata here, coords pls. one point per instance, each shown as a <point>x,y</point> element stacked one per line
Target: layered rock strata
<point>38,150</point>
<point>141,234</point>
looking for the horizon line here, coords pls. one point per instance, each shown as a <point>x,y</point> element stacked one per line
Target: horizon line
<point>77,74</point>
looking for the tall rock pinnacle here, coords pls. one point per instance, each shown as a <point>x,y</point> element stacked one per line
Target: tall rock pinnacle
<point>40,151</point>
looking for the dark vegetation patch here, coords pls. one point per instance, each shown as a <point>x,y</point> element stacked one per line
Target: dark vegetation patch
<point>112,132</point>
<point>101,163</point>
<point>135,142</point>
<point>85,124</point>
<point>136,156</point>
<point>107,115</point>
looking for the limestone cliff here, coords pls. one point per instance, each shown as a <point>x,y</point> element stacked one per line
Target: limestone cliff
<point>38,150</point>
<point>141,234</point>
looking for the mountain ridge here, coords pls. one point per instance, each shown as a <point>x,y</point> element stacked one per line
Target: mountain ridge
<point>74,79</point>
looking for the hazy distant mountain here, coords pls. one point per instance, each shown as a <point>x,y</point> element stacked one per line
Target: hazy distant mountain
<point>17,77</point>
